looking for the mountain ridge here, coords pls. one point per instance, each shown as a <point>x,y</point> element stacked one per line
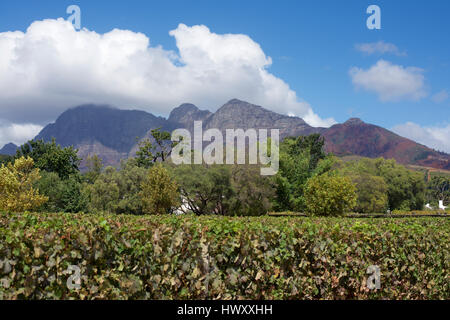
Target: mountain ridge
<point>114,133</point>
<point>9,149</point>
<point>352,136</point>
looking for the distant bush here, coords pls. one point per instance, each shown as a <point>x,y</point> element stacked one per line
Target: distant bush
<point>168,257</point>
<point>405,188</point>
<point>420,212</point>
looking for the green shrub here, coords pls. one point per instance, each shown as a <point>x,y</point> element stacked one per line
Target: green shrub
<point>168,257</point>
<point>159,191</point>
<point>420,212</point>
<point>328,195</point>
<point>17,191</point>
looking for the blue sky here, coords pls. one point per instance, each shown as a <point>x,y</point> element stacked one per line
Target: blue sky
<point>312,47</point>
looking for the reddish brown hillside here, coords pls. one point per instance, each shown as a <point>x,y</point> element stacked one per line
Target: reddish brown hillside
<point>359,138</point>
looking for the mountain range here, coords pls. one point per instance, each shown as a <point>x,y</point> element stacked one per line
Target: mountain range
<point>113,134</point>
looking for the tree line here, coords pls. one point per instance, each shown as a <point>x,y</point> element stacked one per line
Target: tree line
<point>44,176</point>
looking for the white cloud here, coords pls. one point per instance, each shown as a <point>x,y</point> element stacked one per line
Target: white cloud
<point>379,47</point>
<point>391,82</point>
<point>17,133</point>
<point>434,137</point>
<point>441,96</point>
<point>51,67</point>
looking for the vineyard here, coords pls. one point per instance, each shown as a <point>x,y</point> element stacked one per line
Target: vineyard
<point>211,257</point>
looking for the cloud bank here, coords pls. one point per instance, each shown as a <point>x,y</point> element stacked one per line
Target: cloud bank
<point>434,137</point>
<point>390,82</point>
<point>51,67</point>
<point>441,96</point>
<point>379,47</point>
<point>17,133</point>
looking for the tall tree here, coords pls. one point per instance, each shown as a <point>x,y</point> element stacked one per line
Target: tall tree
<point>300,159</point>
<point>252,191</point>
<point>371,192</point>
<point>438,188</point>
<point>159,191</point>
<point>158,148</point>
<point>51,157</point>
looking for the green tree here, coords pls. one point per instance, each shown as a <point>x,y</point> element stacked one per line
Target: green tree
<point>438,188</point>
<point>51,186</point>
<point>17,191</point>
<point>104,194</point>
<point>73,198</point>
<point>405,188</point>
<point>237,190</point>
<point>207,189</point>
<point>157,148</point>
<point>372,196</point>
<point>117,191</point>
<point>313,144</point>
<point>51,157</point>
<point>300,159</point>
<point>159,191</point>
<point>94,168</point>
<point>329,195</point>
<point>64,195</point>
<point>251,191</point>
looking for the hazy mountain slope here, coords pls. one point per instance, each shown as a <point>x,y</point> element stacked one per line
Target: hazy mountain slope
<point>111,133</point>
<point>9,149</point>
<point>114,128</point>
<point>359,138</point>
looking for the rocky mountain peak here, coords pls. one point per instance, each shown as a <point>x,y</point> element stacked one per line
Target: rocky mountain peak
<point>354,121</point>
<point>237,114</point>
<point>188,113</point>
<point>184,108</point>
<point>238,104</point>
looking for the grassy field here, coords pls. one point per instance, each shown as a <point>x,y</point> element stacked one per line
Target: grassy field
<point>168,257</point>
